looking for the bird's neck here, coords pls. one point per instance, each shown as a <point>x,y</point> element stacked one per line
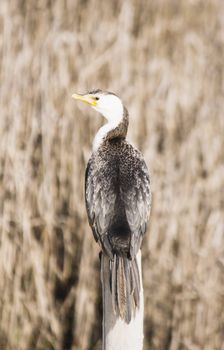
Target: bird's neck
<point>113,129</point>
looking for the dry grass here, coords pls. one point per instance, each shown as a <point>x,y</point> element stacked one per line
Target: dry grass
<point>165,58</point>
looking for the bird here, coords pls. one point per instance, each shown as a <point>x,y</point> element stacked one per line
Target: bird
<point>118,199</point>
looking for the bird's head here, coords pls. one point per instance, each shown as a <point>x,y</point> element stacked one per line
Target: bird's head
<point>106,103</point>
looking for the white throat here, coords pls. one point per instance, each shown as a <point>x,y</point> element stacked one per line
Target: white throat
<point>111,107</point>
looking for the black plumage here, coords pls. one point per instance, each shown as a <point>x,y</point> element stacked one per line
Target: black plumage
<point>117,191</point>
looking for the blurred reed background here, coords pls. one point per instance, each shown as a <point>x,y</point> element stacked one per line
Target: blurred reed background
<point>165,58</point>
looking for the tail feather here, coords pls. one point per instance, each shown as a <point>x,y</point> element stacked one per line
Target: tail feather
<point>121,288</point>
<point>128,291</point>
<point>125,286</point>
<point>136,291</point>
<point>113,279</point>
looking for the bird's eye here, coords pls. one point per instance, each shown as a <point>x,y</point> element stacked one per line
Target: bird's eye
<point>97,98</point>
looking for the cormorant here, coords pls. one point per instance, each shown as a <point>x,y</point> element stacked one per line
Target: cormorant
<point>117,193</point>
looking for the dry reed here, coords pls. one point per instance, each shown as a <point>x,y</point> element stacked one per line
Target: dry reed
<point>166,60</point>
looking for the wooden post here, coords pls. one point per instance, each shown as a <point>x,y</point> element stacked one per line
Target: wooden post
<point>117,335</point>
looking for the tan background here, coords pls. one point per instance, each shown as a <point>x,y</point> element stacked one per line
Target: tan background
<point>166,60</point>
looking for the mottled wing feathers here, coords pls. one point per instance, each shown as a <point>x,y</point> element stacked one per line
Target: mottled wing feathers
<point>100,201</point>
<point>118,173</point>
<point>135,192</point>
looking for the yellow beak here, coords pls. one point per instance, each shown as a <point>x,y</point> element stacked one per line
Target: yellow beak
<point>85,98</point>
